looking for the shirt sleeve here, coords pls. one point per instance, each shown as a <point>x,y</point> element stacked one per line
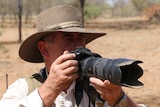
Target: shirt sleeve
<point>17,96</point>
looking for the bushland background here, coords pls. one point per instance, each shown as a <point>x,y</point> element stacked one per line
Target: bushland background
<point>132,29</point>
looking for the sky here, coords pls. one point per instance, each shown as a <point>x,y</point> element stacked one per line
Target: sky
<point>110,2</point>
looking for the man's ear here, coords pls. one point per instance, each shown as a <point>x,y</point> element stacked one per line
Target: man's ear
<point>42,46</point>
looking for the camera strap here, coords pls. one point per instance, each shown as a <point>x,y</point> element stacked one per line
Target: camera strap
<point>41,76</point>
<point>78,91</point>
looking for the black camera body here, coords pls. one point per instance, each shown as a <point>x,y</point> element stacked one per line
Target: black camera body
<point>120,71</point>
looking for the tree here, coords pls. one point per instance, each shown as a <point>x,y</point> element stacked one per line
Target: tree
<point>140,5</point>
<point>81,7</point>
<point>4,10</point>
<point>20,2</point>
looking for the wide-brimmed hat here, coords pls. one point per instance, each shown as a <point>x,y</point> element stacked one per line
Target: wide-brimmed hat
<point>63,18</point>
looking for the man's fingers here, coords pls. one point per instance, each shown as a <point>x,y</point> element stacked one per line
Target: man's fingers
<point>94,81</point>
<point>65,57</point>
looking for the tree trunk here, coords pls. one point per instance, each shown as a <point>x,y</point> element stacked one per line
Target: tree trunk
<point>20,20</point>
<point>81,6</point>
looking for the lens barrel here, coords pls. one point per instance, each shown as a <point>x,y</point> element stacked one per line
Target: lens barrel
<point>120,71</point>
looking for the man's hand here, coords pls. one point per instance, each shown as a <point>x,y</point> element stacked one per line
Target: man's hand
<point>63,71</point>
<point>108,91</point>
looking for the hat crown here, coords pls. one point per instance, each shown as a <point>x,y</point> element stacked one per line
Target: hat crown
<point>58,17</point>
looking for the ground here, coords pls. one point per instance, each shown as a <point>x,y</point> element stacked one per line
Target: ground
<point>142,44</point>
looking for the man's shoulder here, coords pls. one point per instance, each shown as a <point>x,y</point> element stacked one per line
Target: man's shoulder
<point>32,83</point>
<point>19,82</point>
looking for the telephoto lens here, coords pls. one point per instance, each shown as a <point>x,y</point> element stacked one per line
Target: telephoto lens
<point>120,71</point>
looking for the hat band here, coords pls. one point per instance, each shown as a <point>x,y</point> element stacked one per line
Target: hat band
<point>63,25</point>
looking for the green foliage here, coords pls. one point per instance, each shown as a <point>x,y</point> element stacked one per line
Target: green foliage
<point>129,8</point>
<point>0,43</point>
<point>2,48</point>
<point>1,32</point>
<point>92,11</point>
<point>140,5</point>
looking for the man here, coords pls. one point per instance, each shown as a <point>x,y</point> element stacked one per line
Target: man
<point>59,31</point>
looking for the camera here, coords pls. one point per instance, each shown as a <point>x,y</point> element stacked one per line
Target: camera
<point>120,71</point>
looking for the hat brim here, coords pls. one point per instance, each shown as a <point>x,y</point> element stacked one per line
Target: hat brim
<point>29,51</point>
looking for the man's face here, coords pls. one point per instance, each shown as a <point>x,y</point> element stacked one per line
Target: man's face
<point>59,42</point>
